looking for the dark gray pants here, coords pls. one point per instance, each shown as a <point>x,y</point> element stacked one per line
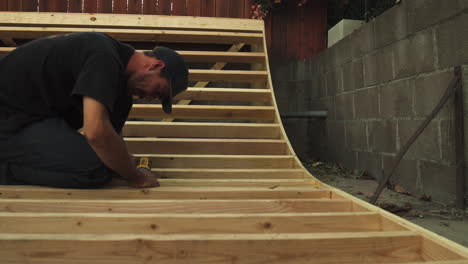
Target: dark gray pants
<point>50,153</point>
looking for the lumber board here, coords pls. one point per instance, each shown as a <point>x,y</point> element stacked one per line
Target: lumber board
<point>206,146</point>
<point>241,206</point>
<point>225,94</point>
<point>269,183</point>
<point>195,173</point>
<point>200,130</point>
<point>146,35</point>
<point>197,56</point>
<point>73,223</point>
<point>208,112</point>
<point>26,192</point>
<point>44,19</point>
<point>358,247</point>
<point>221,161</point>
<point>219,56</point>
<point>227,76</point>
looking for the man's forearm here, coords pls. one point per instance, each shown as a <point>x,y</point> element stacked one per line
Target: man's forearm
<point>112,151</point>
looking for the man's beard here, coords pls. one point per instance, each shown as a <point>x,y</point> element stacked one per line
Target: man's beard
<point>136,84</point>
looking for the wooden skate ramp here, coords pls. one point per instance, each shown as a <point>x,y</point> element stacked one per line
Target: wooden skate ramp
<point>233,191</point>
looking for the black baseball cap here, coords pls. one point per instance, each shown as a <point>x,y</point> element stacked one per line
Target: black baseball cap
<point>175,70</point>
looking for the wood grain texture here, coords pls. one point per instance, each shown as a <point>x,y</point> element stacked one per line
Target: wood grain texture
<point>204,112</point>
<point>200,130</point>
<point>222,161</point>
<point>34,223</point>
<point>241,206</point>
<point>371,247</point>
<point>166,193</point>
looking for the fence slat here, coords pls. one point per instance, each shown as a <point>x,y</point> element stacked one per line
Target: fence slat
<point>104,6</point>
<point>164,7</point>
<point>120,7</point>
<point>150,7</point>
<point>194,7</point>
<point>236,9</point>
<point>3,5</point>
<point>134,6</point>
<point>179,8</point>
<point>222,8</point>
<point>247,9</point>
<point>29,5</point>
<point>14,5</point>
<point>53,6</point>
<point>90,6</point>
<point>75,6</point>
<point>208,8</point>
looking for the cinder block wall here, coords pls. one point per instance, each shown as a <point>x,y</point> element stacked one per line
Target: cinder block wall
<point>378,84</point>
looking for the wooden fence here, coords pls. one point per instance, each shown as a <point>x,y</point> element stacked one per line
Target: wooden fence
<point>292,32</point>
<point>207,8</point>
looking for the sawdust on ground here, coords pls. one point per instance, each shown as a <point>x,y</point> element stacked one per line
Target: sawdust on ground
<point>437,217</point>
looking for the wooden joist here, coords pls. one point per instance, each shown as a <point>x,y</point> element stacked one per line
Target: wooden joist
<point>380,247</point>
<point>73,223</point>
<point>200,130</point>
<point>225,94</point>
<point>227,76</point>
<point>207,146</point>
<point>195,173</point>
<point>190,56</point>
<point>144,35</point>
<point>269,183</point>
<point>231,57</point>
<point>70,20</point>
<point>219,112</point>
<point>166,206</point>
<point>174,193</point>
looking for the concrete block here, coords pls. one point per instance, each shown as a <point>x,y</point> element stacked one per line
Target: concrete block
<point>382,136</point>
<point>344,106</point>
<point>447,139</point>
<point>342,51</point>
<point>353,75</point>
<point>429,89</point>
<point>426,145</point>
<point>438,181</point>
<point>363,40</point>
<point>329,106</point>
<point>347,159</point>
<point>334,82</point>
<point>391,26</point>
<point>331,60</point>
<point>452,42</point>
<point>414,55</point>
<point>296,130</point>
<point>370,69</point>
<point>396,98</point>
<point>344,28</point>
<point>385,65</point>
<point>406,174</point>
<point>424,13</point>
<point>370,162</point>
<point>367,102</point>
<point>335,139</point>
<point>322,85</point>
<point>316,132</point>
<point>356,135</point>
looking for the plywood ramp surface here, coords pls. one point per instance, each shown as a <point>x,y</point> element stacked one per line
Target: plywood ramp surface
<point>232,189</point>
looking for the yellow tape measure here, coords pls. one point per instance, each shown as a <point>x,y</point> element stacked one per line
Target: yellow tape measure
<point>144,163</point>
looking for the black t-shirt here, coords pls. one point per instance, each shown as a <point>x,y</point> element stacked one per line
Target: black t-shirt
<point>48,77</point>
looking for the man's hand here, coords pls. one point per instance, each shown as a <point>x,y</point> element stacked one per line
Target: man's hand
<point>145,179</point>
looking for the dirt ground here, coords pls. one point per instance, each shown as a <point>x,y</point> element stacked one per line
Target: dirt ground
<point>443,220</point>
